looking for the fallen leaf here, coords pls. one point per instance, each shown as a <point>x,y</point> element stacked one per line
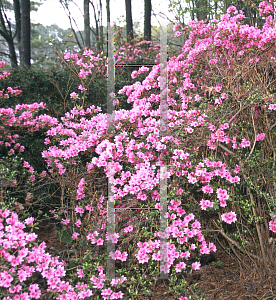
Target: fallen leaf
<point>28,198</point>
<point>18,206</point>
<point>210,90</point>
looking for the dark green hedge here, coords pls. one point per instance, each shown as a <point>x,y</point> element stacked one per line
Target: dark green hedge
<point>52,87</point>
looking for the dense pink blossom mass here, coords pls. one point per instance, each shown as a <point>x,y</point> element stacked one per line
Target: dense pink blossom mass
<point>138,145</point>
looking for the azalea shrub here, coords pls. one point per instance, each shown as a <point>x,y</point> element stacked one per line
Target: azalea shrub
<point>53,87</point>
<point>128,56</point>
<point>219,139</point>
<point>22,258</point>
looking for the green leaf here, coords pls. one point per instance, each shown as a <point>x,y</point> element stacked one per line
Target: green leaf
<point>71,265</point>
<point>216,207</point>
<point>64,236</point>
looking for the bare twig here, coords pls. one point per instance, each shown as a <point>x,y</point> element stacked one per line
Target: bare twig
<point>221,230</point>
<point>255,136</point>
<point>257,225</point>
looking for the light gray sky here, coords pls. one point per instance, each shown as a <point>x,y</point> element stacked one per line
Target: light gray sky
<point>52,12</point>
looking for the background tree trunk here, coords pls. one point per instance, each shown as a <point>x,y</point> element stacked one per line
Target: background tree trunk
<point>108,10</point>
<point>192,12</point>
<point>25,49</point>
<point>147,21</point>
<point>97,26</point>
<point>12,54</point>
<point>101,25</point>
<point>6,33</point>
<point>86,23</point>
<point>17,14</point>
<point>108,18</point>
<point>129,24</point>
<point>201,15</point>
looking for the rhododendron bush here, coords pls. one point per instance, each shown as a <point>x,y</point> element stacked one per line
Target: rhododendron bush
<point>220,122</point>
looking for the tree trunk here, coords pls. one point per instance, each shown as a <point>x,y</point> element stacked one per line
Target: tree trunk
<point>25,49</point>
<point>251,17</point>
<point>129,24</point>
<point>260,23</point>
<point>108,10</point>
<point>17,15</point>
<point>101,25</point>
<point>201,15</point>
<point>97,27</point>
<point>108,18</point>
<point>6,33</point>
<point>192,13</point>
<point>147,21</point>
<point>86,23</point>
<point>12,52</point>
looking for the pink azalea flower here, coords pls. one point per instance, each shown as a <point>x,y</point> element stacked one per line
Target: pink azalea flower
<point>207,189</point>
<point>272,226</point>
<point>196,265</point>
<point>260,136</point>
<point>29,221</point>
<point>229,217</point>
<point>75,235</point>
<point>79,210</point>
<point>80,273</point>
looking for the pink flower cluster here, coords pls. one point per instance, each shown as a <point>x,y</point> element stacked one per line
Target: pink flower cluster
<point>74,96</point>
<point>85,67</point>
<point>80,189</point>
<point>272,107</point>
<point>272,226</point>
<point>99,284</point>
<point>229,217</point>
<point>20,259</point>
<point>206,203</point>
<point>81,88</point>
<point>119,255</point>
<point>184,235</point>
<point>93,240</point>
<point>10,90</point>
<point>141,70</point>
<point>4,75</point>
<point>260,137</point>
<point>207,189</point>
<point>244,143</point>
<point>220,136</point>
<point>143,153</point>
<point>131,51</point>
<point>222,196</point>
<point>27,165</point>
